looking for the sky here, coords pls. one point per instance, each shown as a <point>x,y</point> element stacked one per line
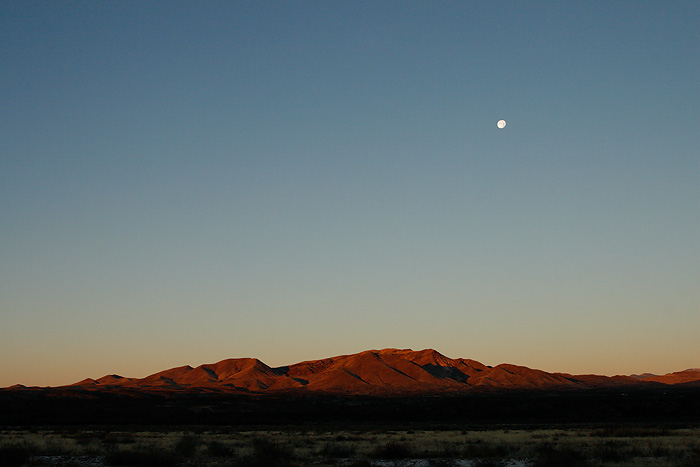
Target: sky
<point>185,182</point>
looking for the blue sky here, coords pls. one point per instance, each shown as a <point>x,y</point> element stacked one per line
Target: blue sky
<point>184,182</point>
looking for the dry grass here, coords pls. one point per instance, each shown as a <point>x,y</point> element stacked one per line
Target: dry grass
<point>619,447</point>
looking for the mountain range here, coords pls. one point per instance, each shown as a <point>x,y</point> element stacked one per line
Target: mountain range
<point>387,372</point>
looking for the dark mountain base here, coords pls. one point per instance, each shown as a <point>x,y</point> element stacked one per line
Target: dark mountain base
<point>41,407</point>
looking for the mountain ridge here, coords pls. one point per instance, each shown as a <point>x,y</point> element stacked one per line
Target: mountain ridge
<point>385,372</point>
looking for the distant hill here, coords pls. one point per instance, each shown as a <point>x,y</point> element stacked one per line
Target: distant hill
<point>387,372</point>
<point>678,377</point>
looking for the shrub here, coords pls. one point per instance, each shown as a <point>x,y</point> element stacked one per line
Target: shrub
<point>444,451</point>
<point>630,432</point>
<point>267,453</point>
<point>551,456</point>
<point>337,450</point>
<point>117,438</point>
<point>219,449</point>
<point>691,457</point>
<point>479,449</point>
<point>657,449</point>
<point>393,450</point>
<point>610,451</point>
<point>83,438</point>
<point>186,446</point>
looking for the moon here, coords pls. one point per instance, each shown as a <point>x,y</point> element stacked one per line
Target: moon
<point>501,124</point>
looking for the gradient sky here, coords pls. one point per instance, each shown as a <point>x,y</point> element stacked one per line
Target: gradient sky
<point>184,182</point>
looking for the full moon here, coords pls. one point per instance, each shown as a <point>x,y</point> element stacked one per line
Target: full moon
<point>501,124</point>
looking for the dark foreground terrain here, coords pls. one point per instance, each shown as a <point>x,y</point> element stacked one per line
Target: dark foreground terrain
<point>515,446</point>
<point>512,428</point>
<point>76,407</point>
